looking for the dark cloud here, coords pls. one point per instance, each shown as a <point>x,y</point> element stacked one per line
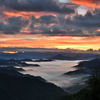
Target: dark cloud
<point>36,5</point>
<point>48,19</point>
<point>88,21</point>
<point>59,27</point>
<point>87,25</point>
<point>57,30</point>
<point>13,25</point>
<point>79,25</point>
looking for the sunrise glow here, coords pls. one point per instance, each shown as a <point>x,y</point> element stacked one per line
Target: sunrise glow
<point>68,24</point>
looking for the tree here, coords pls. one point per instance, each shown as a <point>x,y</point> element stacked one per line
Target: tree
<point>92,91</point>
<point>94,84</point>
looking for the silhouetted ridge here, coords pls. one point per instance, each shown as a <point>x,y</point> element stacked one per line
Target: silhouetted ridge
<point>27,87</point>
<point>62,57</point>
<point>13,62</point>
<point>85,67</point>
<point>43,60</point>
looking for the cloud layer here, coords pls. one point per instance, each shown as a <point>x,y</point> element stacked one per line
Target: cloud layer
<point>36,6</point>
<point>49,25</point>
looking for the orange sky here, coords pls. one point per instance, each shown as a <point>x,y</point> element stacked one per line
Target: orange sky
<point>89,3</point>
<point>82,43</point>
<point>25,14</point>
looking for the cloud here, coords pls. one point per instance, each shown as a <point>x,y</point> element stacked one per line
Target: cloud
<point>36,6</point>
<point>48,19</point>
<point>56,26</point>
<point>49,25</point>
<point>88,3</point>
<point>89,23</point>
<point>12,25</point>
<point>77,25</point>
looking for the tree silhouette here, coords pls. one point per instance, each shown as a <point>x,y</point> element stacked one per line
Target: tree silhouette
<point>94,84</point>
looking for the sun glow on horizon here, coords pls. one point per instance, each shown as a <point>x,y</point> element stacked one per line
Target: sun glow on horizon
<point>81,43</point>
<point>11,52</point>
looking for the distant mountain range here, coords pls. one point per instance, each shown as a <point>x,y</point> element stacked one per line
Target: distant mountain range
<point>62,57</point>
<point>49,55</point>
<point>73,57</point>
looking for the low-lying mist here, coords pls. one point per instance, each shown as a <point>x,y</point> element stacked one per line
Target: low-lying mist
<point>52,72</point>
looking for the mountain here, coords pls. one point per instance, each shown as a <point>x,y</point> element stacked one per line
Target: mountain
<point>91,64</point>
<point>91,91</point>
<point>83,94</point>
<point>14,62</point>
<point>48,55</point>
<point>43,60</point>
<point>26,87</point>
<point>61,57</point>
<point>85,67</point>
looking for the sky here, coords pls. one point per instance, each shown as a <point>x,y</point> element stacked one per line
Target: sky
<point>58,24</point>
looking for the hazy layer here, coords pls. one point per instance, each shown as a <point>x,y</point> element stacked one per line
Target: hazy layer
<point>51,71</point>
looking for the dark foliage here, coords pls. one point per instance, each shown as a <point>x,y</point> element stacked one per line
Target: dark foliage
<point>92,92</point>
